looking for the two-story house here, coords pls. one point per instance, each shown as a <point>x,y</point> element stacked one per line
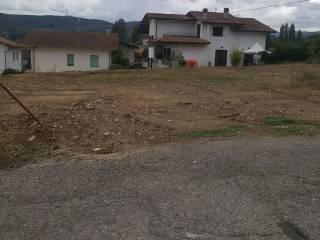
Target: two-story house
<point>206,37</point>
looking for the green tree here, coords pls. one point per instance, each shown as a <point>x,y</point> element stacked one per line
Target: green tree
<point>120,28</point>
<point>286,32</point>
<point>135,37</point>
<point>268,41</point>
<point>292,32</point>
<point>299,36</point>
<point>312,45</point>
<point>281,36</point>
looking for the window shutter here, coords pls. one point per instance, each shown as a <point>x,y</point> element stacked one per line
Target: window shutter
<point>70,60</point>
<point>94,61</point>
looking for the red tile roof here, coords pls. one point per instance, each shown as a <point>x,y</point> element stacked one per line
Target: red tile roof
<point>252,25</point>
<point>180,39</point>
<point>215,17</point>
<point>243,24</point>
<point>168,16</point>
<point>11,43</point>
<point>78,40</point>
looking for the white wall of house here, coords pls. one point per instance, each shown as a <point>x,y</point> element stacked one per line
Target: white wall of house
<point>205,54</point>
<point>55,60</point>
<point>14,59</point>
<point>7,61</point>
<point>196,52</point>
<point>3,50</point>
<point>231,40</point>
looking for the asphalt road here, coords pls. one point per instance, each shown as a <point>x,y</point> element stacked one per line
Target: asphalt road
<point>231,189</point>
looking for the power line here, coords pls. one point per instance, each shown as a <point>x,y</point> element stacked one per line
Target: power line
<point>271,6</point>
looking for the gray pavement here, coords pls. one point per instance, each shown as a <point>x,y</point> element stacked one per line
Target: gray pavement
<point>241,188</point>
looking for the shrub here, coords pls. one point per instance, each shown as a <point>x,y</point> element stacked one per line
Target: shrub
<point>235,57</point>
<point>180,58</point>
<point>286,52</point>
<point>116,67</point>
<point>315,59</point>
<point>136,66</point>
<point>119,59</point>
<point>11,71</point>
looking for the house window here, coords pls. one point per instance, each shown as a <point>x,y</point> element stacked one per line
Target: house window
<point>94,61</point>
<point>167,53</point>
<point>217,31</point>
<point>70,60</point>
<point>198,30</point>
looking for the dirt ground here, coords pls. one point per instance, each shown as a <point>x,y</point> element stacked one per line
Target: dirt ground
<point>127,109</point>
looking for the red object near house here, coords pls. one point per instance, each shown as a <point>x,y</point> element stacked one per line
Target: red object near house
<point>191,63</point>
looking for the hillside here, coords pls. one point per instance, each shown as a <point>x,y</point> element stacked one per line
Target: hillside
<point>15,26</point>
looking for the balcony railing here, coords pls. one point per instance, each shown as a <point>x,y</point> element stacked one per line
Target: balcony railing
<point>180,34</point>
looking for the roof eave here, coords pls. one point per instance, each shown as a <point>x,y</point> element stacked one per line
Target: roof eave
<point>219,22</point>
<point>184,43</point>
<point>74,47</point>
<point>261,31</point>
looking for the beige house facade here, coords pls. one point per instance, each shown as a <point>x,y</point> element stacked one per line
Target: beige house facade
<point>53,51</point>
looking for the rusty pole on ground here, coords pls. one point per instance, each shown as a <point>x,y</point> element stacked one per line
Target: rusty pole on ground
<point>23,106</point>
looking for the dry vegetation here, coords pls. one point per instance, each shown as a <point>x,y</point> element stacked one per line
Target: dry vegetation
<point>125,109</point>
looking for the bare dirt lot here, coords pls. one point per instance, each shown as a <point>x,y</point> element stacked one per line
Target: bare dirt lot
<point>126,109</point>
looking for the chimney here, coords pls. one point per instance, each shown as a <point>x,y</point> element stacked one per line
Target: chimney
<point>226,12</point>
<point>205,12</point>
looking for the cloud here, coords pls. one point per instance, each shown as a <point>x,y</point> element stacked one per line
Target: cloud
<point>305,15</point>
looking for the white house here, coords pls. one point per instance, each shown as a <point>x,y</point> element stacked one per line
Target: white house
<point>55,51</point>
<point>205,37</point>
<point>10,55</point>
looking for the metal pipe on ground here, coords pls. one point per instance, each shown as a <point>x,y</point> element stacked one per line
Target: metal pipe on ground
<point>22,105</point>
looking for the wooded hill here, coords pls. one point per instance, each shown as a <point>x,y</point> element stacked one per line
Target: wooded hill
<point>15,26</point>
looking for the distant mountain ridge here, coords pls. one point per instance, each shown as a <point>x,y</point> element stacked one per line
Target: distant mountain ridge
<point>15,26</point>
<point>304,33</point>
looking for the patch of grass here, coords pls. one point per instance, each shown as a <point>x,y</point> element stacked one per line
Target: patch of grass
<point>285,126</point>
<point>219,132</point>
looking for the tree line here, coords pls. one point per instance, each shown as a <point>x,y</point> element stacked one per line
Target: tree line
<point>120,28</point>
<point>288,33</point>
<point>292,46</point>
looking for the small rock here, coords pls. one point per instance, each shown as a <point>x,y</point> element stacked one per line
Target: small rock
<point>97,149</point>
<point>106,133</point>
<point>31,139</point>
<point>33,124</point>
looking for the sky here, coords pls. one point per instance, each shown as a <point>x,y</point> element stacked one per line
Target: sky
<point>306,16</point>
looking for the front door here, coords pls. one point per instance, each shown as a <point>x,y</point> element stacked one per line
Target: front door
<point>221,58</point>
